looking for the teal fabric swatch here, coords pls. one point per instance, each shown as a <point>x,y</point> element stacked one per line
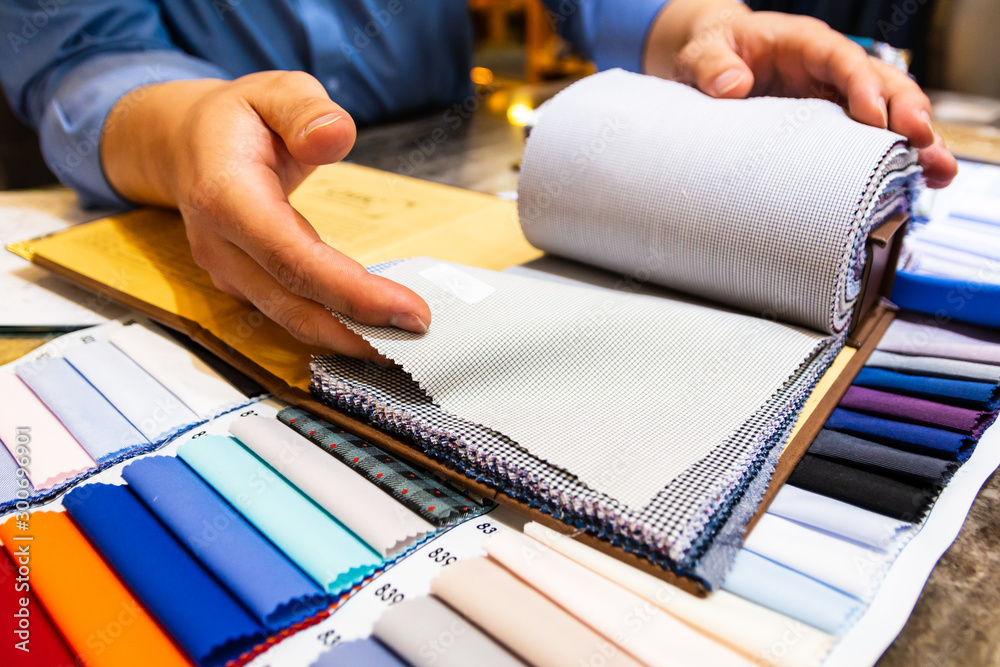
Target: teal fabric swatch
<point>329,553</point>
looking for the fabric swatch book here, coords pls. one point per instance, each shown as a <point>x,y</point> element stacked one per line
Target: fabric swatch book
<point>705,263</point>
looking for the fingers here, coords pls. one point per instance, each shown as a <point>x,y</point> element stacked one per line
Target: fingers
<point>909,107</point>
<point>939,165</point>
<point>711,63</point>
<point>295,105</point>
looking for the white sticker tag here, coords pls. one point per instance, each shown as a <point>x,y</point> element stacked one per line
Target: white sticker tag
<point>458,283</point>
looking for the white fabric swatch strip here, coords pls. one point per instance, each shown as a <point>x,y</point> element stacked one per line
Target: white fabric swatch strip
<point>624,391</point>
<point>373,515</point>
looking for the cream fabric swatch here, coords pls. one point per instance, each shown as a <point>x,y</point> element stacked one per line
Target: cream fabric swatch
<point>654,637</point>
<point>848,567</point>
<point>521,618</point>
<point>54,456</point>
<point>428,633</point>
<point>757,632</point>
<point>373,515</point>
<point>543,363</point>
<point>190,379</point>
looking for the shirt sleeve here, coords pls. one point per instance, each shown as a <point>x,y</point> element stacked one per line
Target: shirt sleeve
<point>64,65</point>
<point>612,33</point>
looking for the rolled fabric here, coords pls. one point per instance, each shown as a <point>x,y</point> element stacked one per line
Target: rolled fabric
<point>185,375</point>
<point>36,439</point>
<point>963,393</point>
<point>329,553</point>
<point>188,602</point>
<point>371,514</point>
<point>30,639</point>
<point>914,335</point>
<point>836,517</point>
<point>916,410</point>
<point>100,619</point>
<point>652,636</point>
<point>911,437</point>
<point>913,468</point>
<point>146,403</point>
<point>791,593</point>
<point>863,488</point>
<point>425,631</point>
<point>755,631</point>
<point>520,618</point>
<point>368,652</point>
<point>935,367</point>
<point>850,568</point>
<point>94,422</point>
<point>252,569</point>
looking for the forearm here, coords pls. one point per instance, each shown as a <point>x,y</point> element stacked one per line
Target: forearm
<point>676,25</point>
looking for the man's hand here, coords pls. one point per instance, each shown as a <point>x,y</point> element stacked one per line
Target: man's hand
<point>227,154</point>
<point>726,50</point>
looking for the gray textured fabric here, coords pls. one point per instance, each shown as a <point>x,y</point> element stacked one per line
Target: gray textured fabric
<point>763,204</point>
<point>935,367</point>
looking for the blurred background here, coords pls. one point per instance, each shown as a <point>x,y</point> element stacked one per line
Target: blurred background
<point>951,46</point>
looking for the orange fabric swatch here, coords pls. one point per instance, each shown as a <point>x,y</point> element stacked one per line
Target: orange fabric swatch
<point>101,621</point>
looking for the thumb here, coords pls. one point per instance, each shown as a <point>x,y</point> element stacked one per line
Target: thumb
<point>711,63</point>
<point>315,129</point>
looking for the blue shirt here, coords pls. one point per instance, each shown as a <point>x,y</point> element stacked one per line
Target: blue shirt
<point>65,63</point>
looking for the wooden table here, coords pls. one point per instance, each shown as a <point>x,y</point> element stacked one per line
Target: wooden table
<point>957,618</point>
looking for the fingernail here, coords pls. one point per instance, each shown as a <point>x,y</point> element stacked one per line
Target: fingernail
<point>884,110</point>
<point>409,322</point>
<point>927,120</point>
<point>727,81</point>
<point>322,121</point>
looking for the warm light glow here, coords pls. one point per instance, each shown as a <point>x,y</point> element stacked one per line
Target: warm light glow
<point>482,76</point>
<point>520,114</point>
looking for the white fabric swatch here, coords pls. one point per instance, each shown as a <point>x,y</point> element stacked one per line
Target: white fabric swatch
<point>373,515</point>
<point>848,567</point>
<point>837,517</point>
<point>649,634</point>
<point>759,633</point>
<point>543,363</point>
<point>52,454</point>
<point>428,633</point>
<point>905,337</point>
<point>189,378</point>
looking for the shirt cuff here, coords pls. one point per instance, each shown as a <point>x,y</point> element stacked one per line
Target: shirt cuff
<point>72,123</point>
<point>620,37</point>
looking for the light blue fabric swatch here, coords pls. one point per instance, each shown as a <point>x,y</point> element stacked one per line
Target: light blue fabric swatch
<point>329,553</point>
<point>93,421</point>
<point>146,403</point>
<point>790,593</point>
<point>368,652</point>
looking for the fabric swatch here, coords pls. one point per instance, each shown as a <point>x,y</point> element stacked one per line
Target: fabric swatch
<point>29,638</point>
<point>526,365</point>
<point>425,632</point>
<point>36,439</point>
<point>883,459</point>
<point>660,639</point>
<point>963,393</point>
<point>101,621</point>
<point>976,302</point>
<point>182,373</point>
<point>382,523</point>
<point>436,503</point>
<point>935,367</point>
<point>791,593</point>
<point>198,613</point>
<point>914,335</point>
<point>94,422</point>
<point>240,381</point>
<point>755,631</point>
<point>916,410</point>
<point>527,623</point>
<point>329,553</point>
<point>911,437</point>
<point>252,569</point>
<point>866,489</point>
<point>836,517</point>
<point>366,652</point>
<point>146,403</point>
<point>12,481</point>
<point>850,568</point>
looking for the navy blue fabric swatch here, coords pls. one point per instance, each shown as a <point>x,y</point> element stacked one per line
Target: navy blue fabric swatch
<point>911,437</point>
<point>963,393</point>
<point>204,620</point>
<point>273,588</point>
